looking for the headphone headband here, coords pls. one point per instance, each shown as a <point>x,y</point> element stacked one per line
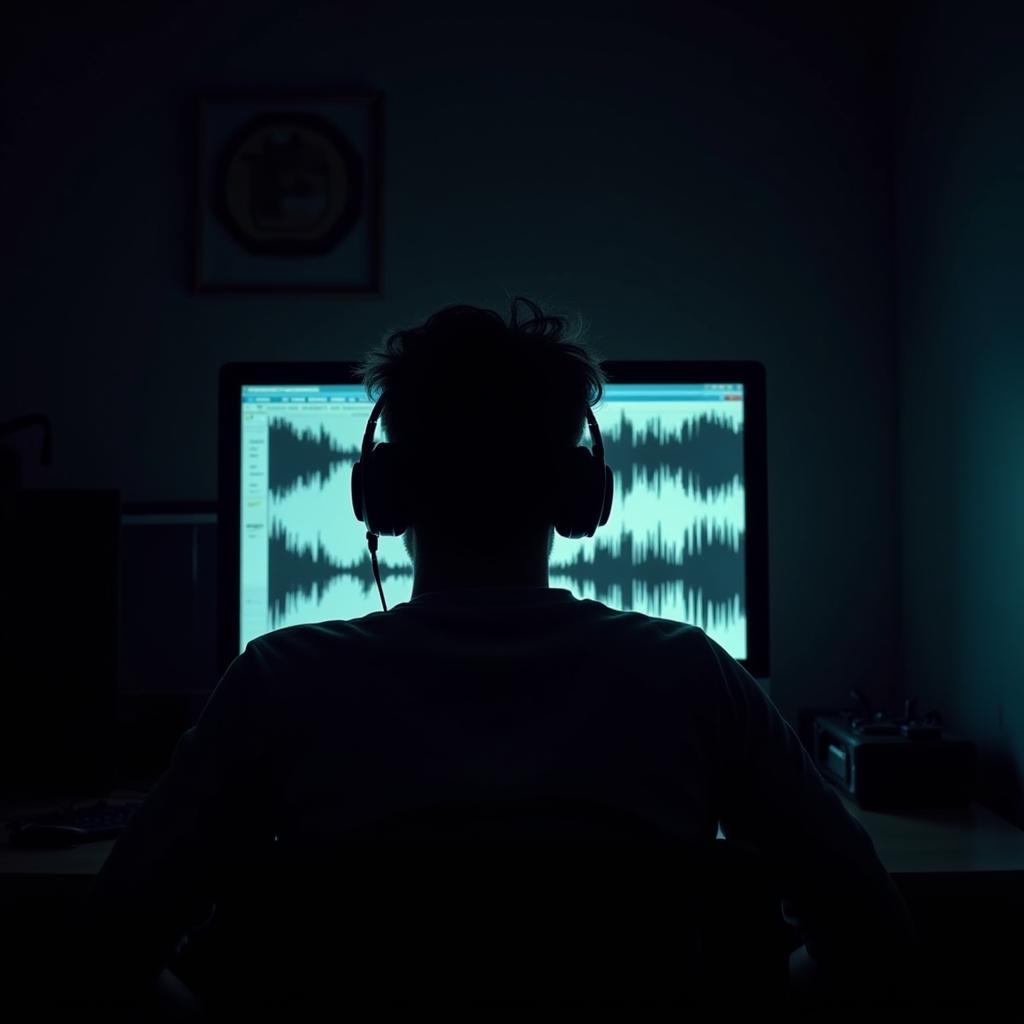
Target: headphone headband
<point>583,503</point>
<point>371,426</point>
<point>595,436</point>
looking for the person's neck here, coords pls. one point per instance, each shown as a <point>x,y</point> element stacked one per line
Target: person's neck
<point>439,566</point>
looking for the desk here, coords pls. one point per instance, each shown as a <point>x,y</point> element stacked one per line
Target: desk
<point>40,891</point>
<point>81,862</point>
<point>960,870</point>
<point>943,841</point>
<point>969,840</point>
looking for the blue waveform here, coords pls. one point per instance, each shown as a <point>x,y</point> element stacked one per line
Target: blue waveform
<point>296,570</point>
<point>301,458</point>
<point>710,570</point>
<point>703,452</point>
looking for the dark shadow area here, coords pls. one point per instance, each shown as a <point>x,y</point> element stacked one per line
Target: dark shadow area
<point>464,669</point>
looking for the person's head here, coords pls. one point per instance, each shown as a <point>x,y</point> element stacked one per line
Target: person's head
<point>482,410</point>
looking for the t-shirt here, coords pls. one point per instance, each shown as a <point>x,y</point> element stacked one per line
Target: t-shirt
<point>478,694</point>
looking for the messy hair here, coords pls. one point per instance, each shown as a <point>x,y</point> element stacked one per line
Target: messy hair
<point>468,383</point>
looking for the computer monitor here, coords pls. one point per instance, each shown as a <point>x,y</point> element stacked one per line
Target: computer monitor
<point>686,539</point>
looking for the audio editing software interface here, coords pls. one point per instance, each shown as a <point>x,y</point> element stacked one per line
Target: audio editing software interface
<point>673,546</point>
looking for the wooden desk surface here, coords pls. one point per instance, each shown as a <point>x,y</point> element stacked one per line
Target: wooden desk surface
<point>941,841</point>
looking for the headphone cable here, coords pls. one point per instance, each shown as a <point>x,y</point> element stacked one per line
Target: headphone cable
<point>371,539</point>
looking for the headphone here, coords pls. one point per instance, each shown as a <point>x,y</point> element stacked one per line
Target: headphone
<point>380,499</point>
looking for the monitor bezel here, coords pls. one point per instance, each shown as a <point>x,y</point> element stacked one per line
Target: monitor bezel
<point>749,373</point>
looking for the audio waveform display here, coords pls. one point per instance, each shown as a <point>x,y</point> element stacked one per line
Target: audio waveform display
<point>300,456</point>
<point>302,576</point>
<point>304,554</point>
<point>674,546</point>
<point>705,451</point>
<point>693,587</point>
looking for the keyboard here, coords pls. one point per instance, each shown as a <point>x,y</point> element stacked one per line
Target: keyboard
<point>77,825</point>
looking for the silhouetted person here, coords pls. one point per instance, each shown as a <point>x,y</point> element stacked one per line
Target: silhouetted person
<point>489,684</point>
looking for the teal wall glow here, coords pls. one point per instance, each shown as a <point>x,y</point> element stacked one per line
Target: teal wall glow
<point>961,379</point>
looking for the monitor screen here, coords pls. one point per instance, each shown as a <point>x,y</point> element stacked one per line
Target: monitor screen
<point>675,545</point>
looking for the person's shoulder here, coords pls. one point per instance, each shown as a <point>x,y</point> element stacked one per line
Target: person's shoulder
<point>670,630</point>
<point>680,650</point>
<point>311,639</point>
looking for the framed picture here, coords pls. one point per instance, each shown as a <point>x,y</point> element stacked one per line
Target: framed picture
<point>288,194</point>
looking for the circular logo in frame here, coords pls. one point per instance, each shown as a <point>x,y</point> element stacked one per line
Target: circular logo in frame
<point>288,184</point>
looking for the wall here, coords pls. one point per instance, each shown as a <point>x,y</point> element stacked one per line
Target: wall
<point>961,168</point>
<point>708,183</point>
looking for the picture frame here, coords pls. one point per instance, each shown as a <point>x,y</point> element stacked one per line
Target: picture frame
<point>288,194</point>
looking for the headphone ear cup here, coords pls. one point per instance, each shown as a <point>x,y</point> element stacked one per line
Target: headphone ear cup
<point>357,491</point>
<point>609,491</point>
<point>580,500</point>
<point>385,491</point>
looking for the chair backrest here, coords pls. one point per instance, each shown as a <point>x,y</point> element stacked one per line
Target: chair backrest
<point>505,902</point>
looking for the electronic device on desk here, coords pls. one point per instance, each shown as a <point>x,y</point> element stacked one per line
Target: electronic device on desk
<point>168,584</point>
<point>89,824</point>
<point>885,761</point>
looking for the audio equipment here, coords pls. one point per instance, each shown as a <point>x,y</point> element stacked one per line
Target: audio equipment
<point>893,761</point>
